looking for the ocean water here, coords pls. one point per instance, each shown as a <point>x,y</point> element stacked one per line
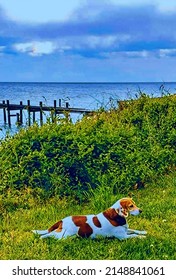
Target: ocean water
<point>79,95</point>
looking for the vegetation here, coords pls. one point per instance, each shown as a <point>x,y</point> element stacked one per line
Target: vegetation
<point>26,210</point>
<point>49,172</point>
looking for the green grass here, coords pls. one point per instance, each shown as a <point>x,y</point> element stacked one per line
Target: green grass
<point>22,213</point>
<point>60,169</point>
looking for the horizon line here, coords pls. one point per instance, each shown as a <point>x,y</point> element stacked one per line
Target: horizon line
<point>52,82</point>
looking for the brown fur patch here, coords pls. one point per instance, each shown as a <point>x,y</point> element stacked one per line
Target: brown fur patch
<point>126,202</point>
<point>84,229</point>
<point>57,226</point>
<point>59,229</point>
<point>114,218</point>
<point>96,222</point>
<point>79,220</point>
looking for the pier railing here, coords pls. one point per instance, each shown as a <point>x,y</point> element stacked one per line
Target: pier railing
<point>31,110</point>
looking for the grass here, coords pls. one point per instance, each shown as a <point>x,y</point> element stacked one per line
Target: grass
<point>21,214</point>
<point>60,169</point>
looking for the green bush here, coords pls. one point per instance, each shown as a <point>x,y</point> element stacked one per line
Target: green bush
<point>119,147</point>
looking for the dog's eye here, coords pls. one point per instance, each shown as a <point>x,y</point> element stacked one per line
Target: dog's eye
<point>131,206</point>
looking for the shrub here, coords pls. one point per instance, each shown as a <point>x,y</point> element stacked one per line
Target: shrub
<point>120,147</point>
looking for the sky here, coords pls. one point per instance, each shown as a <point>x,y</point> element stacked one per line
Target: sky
<point>88,41</point>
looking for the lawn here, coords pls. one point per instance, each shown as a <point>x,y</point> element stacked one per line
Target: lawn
<point>22,213</point>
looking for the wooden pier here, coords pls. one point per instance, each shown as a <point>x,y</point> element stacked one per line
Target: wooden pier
<point>31,110</point>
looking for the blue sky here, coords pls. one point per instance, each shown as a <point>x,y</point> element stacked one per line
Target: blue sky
<point>88,41</point>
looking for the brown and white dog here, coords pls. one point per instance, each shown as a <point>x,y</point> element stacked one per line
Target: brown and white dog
<point>110,223</point>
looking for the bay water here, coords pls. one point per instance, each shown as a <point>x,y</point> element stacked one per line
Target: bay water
<point>78,95</point>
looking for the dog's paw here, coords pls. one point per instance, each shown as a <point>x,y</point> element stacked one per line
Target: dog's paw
<point>143,232</point>
<point>40,232</point>
<point>142,236</point>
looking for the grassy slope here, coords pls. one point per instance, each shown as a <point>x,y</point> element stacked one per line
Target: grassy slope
<point>121,147</point>
<point>158,218</point>
<point>109,152</point>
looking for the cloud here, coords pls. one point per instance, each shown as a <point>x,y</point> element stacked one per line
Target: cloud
<point>160,53</point>
<point>167,52</point>
<point>31,11</point>
<point>2,48</point>
<point>35,48</point>
<point>136,54</point>
<point>96,29</point>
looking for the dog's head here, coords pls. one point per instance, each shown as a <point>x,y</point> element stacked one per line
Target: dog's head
<point>127,205</point>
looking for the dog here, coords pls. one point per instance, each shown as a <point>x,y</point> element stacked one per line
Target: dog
<point>110,223</point>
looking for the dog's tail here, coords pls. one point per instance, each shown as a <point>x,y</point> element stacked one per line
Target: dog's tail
<point>40,232</point>
<point>46,233</point>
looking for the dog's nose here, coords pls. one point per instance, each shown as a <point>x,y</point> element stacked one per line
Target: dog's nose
<point>140,211</point>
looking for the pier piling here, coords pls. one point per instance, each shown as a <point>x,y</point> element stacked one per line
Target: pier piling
<point>54,110</point>
<point>21,113</point>
<point>41,113</point>
<point>8,113</point>
<point>29,113</point>
<point>4,112</point>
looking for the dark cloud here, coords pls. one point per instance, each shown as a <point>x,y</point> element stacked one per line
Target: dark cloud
<point>112,21</point>
<point>133,29</point>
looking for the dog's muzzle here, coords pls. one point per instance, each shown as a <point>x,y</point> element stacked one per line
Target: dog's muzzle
<point>135,212</point>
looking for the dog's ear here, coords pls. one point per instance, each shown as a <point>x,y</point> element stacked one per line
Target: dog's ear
<point>111,213</point>
<point>124,212</point>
